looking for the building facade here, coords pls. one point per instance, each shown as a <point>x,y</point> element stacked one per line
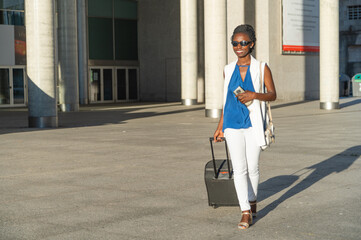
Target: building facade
<point>129,50</point>
<point>350,37</point>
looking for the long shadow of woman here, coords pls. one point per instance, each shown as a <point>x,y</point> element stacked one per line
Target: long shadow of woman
<point>334,164</point>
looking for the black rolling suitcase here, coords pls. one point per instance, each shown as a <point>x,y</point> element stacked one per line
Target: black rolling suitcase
<point>218,176</point>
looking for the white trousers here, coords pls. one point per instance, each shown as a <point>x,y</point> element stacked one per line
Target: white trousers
<point>244,152</point>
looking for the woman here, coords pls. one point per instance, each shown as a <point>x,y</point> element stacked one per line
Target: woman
<point>242,126</point>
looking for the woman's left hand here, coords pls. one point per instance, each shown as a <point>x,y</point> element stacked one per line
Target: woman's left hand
<point>246,96</point>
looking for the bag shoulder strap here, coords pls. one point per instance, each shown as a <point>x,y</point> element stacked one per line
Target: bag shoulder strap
<point>261,84</point>
<point>269,111</point>
<point>262,90</point>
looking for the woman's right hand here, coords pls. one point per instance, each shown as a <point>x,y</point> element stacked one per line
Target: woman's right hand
<point>218,134</point>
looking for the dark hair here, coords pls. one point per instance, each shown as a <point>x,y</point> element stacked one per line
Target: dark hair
<point>247,29</point>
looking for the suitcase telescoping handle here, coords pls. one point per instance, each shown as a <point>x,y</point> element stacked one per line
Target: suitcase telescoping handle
<point>211,139</point>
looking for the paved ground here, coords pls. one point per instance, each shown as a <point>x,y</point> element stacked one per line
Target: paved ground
<point>136,172</point>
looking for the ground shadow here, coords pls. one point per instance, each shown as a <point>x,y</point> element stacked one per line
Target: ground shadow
<point>334,164</point>
<point>348,104</point>
<point>17,121</point>
<point>274,185</point>
<point>287,104</point>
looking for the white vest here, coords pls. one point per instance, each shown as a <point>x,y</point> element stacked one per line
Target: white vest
<point>257,109</point>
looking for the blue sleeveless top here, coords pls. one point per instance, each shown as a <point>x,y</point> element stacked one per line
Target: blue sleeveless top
<point>236,114</point>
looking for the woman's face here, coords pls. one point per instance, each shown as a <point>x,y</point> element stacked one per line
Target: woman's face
<point>242,51</point>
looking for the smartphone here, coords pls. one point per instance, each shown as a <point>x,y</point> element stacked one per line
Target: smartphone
<point>241,90</point>
<point>238,90</point>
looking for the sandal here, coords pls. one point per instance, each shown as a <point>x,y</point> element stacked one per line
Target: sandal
<point>253,208</point>
<point>245,225</point>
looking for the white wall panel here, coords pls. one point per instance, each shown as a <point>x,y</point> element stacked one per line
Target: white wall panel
<point>7,48</point>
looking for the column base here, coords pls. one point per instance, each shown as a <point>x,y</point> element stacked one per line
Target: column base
<point>213,113</point>
<point>329,105</point>
<point>69,107</point>
<point>43,122</point>
<point>189,102</point>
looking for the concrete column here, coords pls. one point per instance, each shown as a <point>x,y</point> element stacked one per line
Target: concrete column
<point>262,30</point>
<point>189,58</point>
<point>329,54</point>
<point>235,17</point>
<point>40,57</point>
<point>68,56</point>
<point>82,52</point>
<point>200,81</point>
<point>215,51</point>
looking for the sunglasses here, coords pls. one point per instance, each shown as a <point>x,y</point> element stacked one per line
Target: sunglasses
<point>243,43</point>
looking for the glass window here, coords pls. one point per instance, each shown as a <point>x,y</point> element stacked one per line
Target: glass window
<point>11,18</point>
<point>12,5</point>
<point>126,9</point>
<point>101,30</point>
<point>354,12</point>
<point>12,12</point>
<point>20,45</point>
<point>100,38</point>
<point>103,8</point>
<point>126,40</point>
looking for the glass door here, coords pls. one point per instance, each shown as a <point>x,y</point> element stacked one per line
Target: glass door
<point>5,86</point>
<point>95,85</point>
<point>121,85</point>
<point>107,84</point>
<point>133,83</point>
<point>12,86</point>
<point>18,86</point>
<point>127,84</point>
<point>101,85</point>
